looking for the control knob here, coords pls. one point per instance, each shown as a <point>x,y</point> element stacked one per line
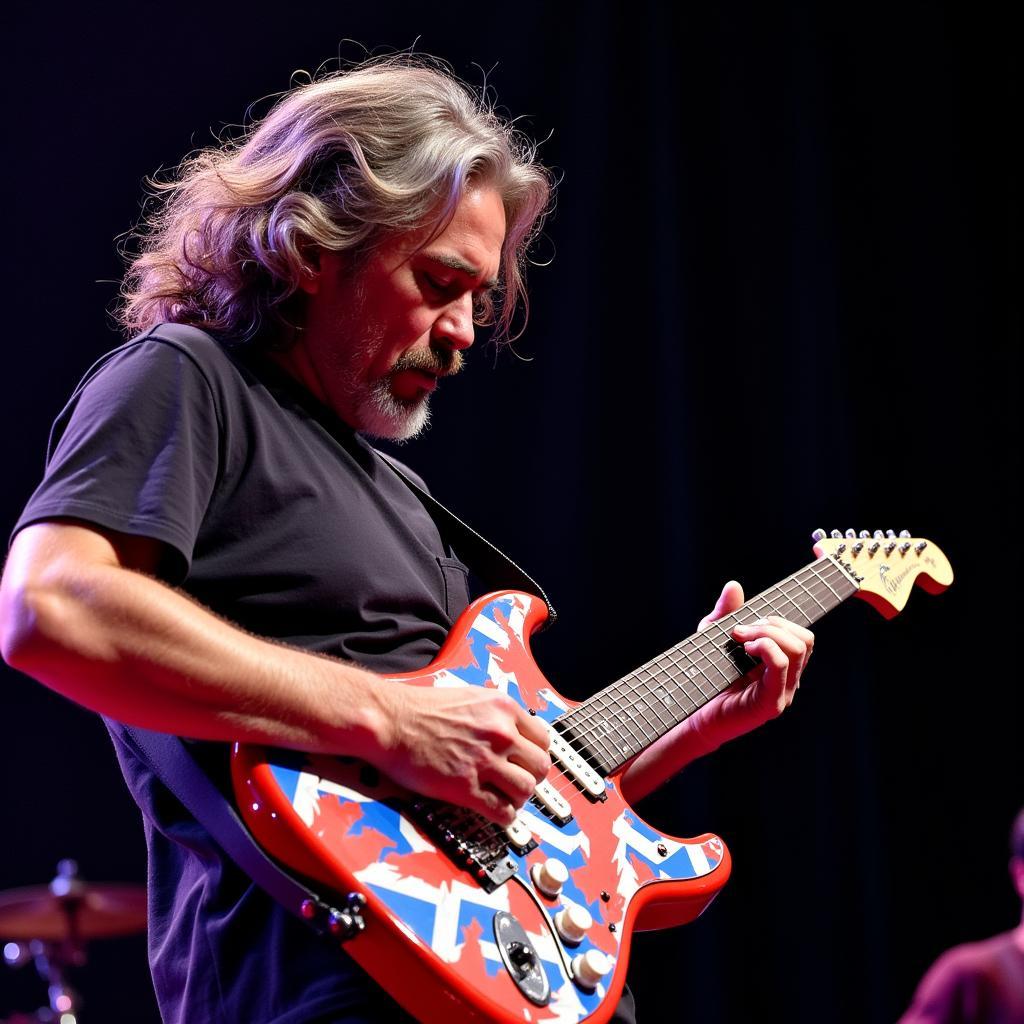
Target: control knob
<point>589,968</point>
<point>550,876</point>
<point>573,922</point>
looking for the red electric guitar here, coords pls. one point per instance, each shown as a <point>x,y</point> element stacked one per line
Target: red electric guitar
<point>462,920</point>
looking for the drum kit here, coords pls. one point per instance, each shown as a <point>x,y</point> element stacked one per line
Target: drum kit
<point>51,925</point>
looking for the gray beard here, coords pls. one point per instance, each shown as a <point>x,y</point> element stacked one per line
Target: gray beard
<point>381,415</point>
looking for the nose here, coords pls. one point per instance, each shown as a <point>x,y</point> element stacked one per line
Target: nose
<point>454,327</point>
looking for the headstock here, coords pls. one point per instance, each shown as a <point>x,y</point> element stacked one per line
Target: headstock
<point>887,565</point>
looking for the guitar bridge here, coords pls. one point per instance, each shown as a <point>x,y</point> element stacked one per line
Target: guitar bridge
<point>472,842</point>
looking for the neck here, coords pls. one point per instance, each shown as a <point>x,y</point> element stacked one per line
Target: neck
<point>623,719</point>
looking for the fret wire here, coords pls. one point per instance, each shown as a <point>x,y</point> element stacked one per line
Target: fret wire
<point>607,702</point>
<point>633,683</point>
<point>799,583</point>
<point>715,687</point>
<point>606,758</point>
<point>686,678</point>
<point>826,582</point>
<point>638,691</point>
<point>629,722</point>
<point>732,672</point>
<point>785,599</point>
<point>706,649</point>
<point>810,594</point>
<point>602,733</point>
<point>607,732</point>
<point>632,707</point>
<point>695,681</point>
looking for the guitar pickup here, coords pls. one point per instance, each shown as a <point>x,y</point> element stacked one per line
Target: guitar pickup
<point>552,802</point>
<point>576,767</point>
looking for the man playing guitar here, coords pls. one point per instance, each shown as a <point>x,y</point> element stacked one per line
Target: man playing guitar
<point>217,552</point>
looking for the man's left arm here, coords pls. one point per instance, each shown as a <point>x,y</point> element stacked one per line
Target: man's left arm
<point>783,649</point>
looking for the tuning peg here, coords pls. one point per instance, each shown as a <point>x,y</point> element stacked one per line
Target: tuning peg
<point>920,546</point>
<point>858,547</point>
<point>904,533</point>
<point>864,534</point>
<point>874,547</point>
<point>851,534</point>
<point>890,533</point>
<point>836,535</point>
<point>904,547</point>
<point>818,535</point>
<point>878,535</point>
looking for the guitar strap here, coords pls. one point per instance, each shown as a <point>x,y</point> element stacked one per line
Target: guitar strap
<point>181,774</point>
<point>172,763</point>
<point>489,562</point>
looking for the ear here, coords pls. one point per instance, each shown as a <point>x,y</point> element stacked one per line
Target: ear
<point>311,271</point>
<point>319,265</point>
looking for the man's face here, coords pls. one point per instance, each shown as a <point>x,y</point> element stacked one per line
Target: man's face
<point>377,340</point>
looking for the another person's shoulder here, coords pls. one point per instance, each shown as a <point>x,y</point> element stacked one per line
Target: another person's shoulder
<point>968,983</point>
<point>978,956</point>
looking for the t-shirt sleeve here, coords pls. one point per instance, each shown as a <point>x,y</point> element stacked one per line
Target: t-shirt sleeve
<point>136,450</point>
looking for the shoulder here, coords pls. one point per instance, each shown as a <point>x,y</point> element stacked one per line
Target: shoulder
<point>173,343</point>
<point>974,957</point>
<point>169,361</point>
<point>961,980</point>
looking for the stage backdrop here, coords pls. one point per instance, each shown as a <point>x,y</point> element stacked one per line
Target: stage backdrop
<point>778,291</point>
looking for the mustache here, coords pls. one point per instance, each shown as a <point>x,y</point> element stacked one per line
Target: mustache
<point>440,362</point>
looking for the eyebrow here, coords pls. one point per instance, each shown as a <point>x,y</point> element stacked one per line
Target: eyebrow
<point>455,263</point>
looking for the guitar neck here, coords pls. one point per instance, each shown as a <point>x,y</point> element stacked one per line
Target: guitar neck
<point>625,718</point>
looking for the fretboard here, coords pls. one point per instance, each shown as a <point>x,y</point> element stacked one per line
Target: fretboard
<point>623,719</point>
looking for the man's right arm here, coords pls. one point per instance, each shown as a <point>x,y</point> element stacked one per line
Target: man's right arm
<point>80,613</point>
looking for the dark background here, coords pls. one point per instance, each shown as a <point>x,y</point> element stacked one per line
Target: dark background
<point>784,294</point>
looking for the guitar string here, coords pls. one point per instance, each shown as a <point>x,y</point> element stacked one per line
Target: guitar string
<point>660,672</point>
<point>597,737</point>
<point>612,697</point>
<point>759,605</point>
<point>498,834</point>
<point>657,670</point>
<point>632,686</point>
<point>664,671</point>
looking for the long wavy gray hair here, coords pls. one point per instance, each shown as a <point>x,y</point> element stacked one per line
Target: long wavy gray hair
<point>341,162</point>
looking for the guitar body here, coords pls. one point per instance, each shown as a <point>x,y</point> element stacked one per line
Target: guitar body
<point>430,913</point>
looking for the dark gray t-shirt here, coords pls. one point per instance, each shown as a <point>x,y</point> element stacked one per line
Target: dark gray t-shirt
<point>280,518</point>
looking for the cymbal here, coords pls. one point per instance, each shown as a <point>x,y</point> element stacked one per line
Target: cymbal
<point>87,910</point>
